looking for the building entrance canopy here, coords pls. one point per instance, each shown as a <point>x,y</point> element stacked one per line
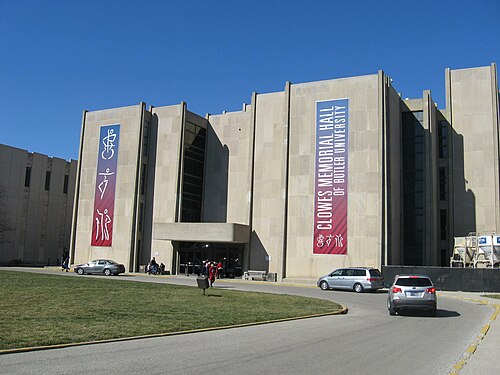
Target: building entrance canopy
<point>202,232</point>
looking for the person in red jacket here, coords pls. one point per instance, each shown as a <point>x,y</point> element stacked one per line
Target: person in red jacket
<point>212,271</point>
<point>220,269</point>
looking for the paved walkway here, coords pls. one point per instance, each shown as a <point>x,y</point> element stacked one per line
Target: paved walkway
<point>481,357</point>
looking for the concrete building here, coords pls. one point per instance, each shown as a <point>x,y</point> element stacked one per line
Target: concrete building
<point>342,172</point>
<point>36,205</point>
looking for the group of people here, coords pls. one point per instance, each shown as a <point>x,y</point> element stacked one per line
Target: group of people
<point>212,271</point>
<point>154,268</point>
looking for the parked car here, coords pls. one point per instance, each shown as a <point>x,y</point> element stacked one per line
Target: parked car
<point>358,279</point>
<point>103,266</point>
<point>412,292</point>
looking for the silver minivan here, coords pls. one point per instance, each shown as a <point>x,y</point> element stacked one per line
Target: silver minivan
<point>358,279</point>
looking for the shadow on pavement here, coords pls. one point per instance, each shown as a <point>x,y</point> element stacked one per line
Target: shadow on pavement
<point>440,313</point>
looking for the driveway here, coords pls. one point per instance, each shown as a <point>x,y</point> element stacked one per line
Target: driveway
<point>365,341</point>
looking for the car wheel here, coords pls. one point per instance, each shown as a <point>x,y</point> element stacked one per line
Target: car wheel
<point>79,271</point>
<point>392,310</point>
<point>433,312</point>
<point>107,272</point>
<point>323,285</point>
<point>358,288</point>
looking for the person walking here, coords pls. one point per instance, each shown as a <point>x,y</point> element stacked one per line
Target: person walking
<point>220,269</point>
<point>207,266</point>
<point>204,268</point>
<point>65,264</point>
<point>212,270</point>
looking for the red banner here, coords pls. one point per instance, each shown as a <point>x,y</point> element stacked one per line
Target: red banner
<point>330,199</point>
<point>104,198</point>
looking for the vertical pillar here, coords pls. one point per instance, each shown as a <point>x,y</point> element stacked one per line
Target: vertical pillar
<point>77,192</point>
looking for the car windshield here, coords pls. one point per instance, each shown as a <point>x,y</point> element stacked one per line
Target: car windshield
<point>413,281</point>
<point>111,262</point>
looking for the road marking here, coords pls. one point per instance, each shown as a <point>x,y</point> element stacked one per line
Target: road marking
<point>473,347</point>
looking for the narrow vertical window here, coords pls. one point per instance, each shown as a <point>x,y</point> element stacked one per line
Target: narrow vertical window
<point>141,216</point>
<point>145,139</point>
<point>143,179</point>
<point>443,225</point>
<point>65,186</point>
<point>47,180</point>
<point>443,183</point>
<point>27,177</point>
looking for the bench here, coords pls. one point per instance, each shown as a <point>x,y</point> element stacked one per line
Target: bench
<point>255,275</point>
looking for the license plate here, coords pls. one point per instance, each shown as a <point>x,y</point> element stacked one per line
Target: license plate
<point>413,294</point>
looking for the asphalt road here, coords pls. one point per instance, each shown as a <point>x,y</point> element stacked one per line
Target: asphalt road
<point>365,341</point>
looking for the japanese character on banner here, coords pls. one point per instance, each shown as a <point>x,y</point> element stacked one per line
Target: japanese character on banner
<point>102,222</point>
<point>320,240</point>
<point>104,184</point>
<point>109,145</point>
<point>338,240</point>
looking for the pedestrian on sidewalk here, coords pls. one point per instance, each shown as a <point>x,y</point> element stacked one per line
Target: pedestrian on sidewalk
<point>212,271</point>
<point>65,264</point>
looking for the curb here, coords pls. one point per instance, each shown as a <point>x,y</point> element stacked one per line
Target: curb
<point>471,349</point>
<point>342,311</point>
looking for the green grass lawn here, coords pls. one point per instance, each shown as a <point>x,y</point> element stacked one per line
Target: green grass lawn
<point>38,309</point>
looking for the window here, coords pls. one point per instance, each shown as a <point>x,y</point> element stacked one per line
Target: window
<point>145,139</point>
<point>27,177</point>
<point>347,272</point>
<point>359,273</point>
<point>65,185</point>
<point>413,166</point>
<point>413,281</point>
<point>194,159</point>
<point>47,180</point>
<point>443,182</point>
<point>141,215</point>
<point>442,224</point>
<point>443,139</point>
<point>143,179</point>
<point>375,273</point>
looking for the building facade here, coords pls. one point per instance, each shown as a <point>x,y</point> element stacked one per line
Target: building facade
<point>342,172</point>
<point>36,205</point>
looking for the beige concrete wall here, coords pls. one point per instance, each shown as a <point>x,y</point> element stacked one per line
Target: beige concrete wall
<point>269,182</point>
<point>13,202</point>
<point>233,132</point>
<point>57,216</point>
<point>394,178</point>
<point>475,149</point>
<point>129,119</point>
<point>169,126</point>
<point>364,186</point>
<point>38,220</point>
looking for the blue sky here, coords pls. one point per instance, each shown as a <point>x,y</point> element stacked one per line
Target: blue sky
<point>61,57</point>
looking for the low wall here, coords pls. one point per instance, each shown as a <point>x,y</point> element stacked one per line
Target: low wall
<point>453,279</point>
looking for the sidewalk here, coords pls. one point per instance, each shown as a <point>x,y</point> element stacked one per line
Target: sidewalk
<point>481,357</point>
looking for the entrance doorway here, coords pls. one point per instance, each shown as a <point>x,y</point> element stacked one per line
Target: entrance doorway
<point>192,255</point>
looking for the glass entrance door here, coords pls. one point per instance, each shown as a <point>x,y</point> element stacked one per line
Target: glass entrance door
<point>192,256</point>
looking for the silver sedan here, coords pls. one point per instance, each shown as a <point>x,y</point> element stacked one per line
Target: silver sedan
<point>100,266</point>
